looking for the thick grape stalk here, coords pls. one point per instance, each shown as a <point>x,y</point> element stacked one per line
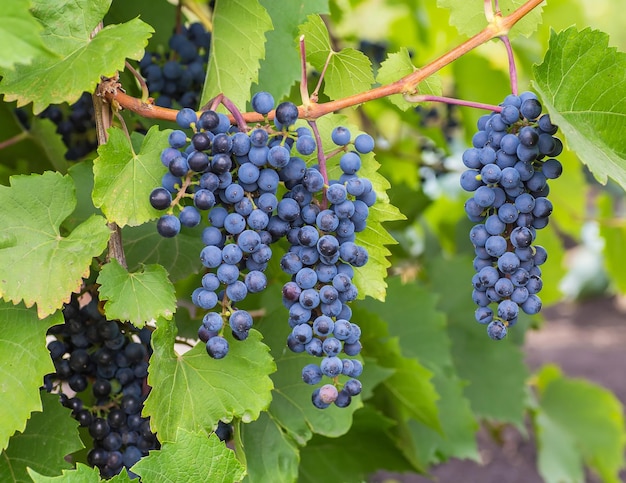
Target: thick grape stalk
<point>512,157</point>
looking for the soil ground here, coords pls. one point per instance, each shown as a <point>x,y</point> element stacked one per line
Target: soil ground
<point>586,340</point>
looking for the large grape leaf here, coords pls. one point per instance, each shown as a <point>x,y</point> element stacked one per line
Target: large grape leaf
<point>272,451</point>
<point>137,297</point>
<point>409,390</point>
<point>82,474</point>
<point>349,71</point>
<point>123,179</point>
<point>237,46</point>
<point>368,447</point>
<point>19,35</point>
<point>369,279</point>
<point>398,65</point>
<point>24,360</point>
<point>582,82</point>
<point>39,148</point>
<point>49,437</point>
<point>425,337</point>
<point>281,66</point>
<point>192,457</point>
<point>75,62</point>
<point>194,391</point>
<point>179,255</point>
<point>469,16</point>
<point>578,422</point>
<point>478,359</point>
<point>37,263</point>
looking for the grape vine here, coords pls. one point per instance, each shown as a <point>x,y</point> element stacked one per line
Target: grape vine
<point>212,289</point>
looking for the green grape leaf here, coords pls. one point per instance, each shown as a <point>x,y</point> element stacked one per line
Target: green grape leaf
<point>43,132</point>
<point>409,390</point>
<point>24,360</point>
<point>194,391</point>
<point>428,341</point>
<point>136,297</point>
<point>49,437</point>
<point>82,474</point>
<point>38,264</point>
<point>192,457</point>
<point>39,148</point>
<point>613,235</point>
<point>121,477</point>
<point>316,41</point>
<point>74,62</point>
<point>369,279</point>
<point>399,64</point>
<point>179,255</point>
<point>269,450</point>
<point>124,179</point>
<point>469,16</point>
<point>21,32</point>
<point>579,423</point>
<point>281,66</point>
<point>477,358</point>
<point>368,447</point>
<point>236,50</point>
<point>349,71</point>
<point>458,435</point>
<point>582,82</point>
<point>82,176</point>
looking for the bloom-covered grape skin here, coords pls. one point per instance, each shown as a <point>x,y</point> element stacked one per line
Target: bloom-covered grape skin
<point>506,258</point>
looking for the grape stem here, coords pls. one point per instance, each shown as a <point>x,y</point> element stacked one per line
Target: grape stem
<point>145,93</point>
<point>451,100</point>
<point>321,159</point>
<point>406,85</point>
<point>304,87</point>
<point>13,140</point>
<point>512,69</point>
<point>315,94</point>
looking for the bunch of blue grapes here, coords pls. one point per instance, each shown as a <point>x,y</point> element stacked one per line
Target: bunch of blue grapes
<point>233,176</point>
<point>178,75</point>
<point>101,368</point>
<point>322,221</point>
<point>510,163</point>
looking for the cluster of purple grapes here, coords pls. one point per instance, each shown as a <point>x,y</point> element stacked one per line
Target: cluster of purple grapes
<point>322,222</point>
<point>178,76</point>
<point>512,159</point>
<point>91,353</point>
<point>234,173</point>
<point>76,125</point>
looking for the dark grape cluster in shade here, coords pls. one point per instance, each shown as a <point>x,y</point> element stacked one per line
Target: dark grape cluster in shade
<point>321,221</point>
<point>177,76</point>
<point>510,163</point>
<point>76,124</point>
<point>101,368</point>
<point>230,175</point>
